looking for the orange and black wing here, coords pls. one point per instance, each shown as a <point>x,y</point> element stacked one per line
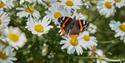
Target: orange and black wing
<point>65,24</point>
<point>82,25</point>
<point>79,26</point>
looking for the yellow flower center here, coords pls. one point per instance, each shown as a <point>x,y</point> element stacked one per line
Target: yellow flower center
<point>122,27</point>
<point>74,42</point>
<point>108,5</point>
<point>57,15</point>
<point>3,56</point>
<point>29,9</point>
<point>69,3</point>
<point>39,28</point>
<point>86,37</point>
<point>118,1</point>
<point>2,5</point>
<point>13,37</point>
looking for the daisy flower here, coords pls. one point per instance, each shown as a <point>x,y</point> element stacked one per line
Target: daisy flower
<point>92,28</point>
<point>101,56</point>
<point>39,27</point>
<point>119,29</point>
<point>57,11</point>
<point>72,4</point>
<point>7,54</point>
<point>72,44</point>
<point>87,40</point>
<point>106,7</point>
<point>28,11</point>
<point>14,37</point>
<point>6,4</point>
<point>4,20</point>
<point>119,3</point>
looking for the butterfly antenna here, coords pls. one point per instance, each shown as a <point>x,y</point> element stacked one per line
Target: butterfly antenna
<point>73,11</point>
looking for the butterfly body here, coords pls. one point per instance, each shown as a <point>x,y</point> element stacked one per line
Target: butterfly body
<point>72,25</point>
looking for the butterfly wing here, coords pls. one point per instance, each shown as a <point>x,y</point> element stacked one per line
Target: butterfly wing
<point>72,26</point>
<point>82,25</point>
<point>65,24</point>
<point>79,26</point>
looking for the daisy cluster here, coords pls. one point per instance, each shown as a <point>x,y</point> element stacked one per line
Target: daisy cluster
<point>107,7</point>
<point>73,43</point>
<point>12,38</point>
<point>55,10</point>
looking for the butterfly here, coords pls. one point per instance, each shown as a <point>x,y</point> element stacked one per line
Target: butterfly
<point>71,25</point>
